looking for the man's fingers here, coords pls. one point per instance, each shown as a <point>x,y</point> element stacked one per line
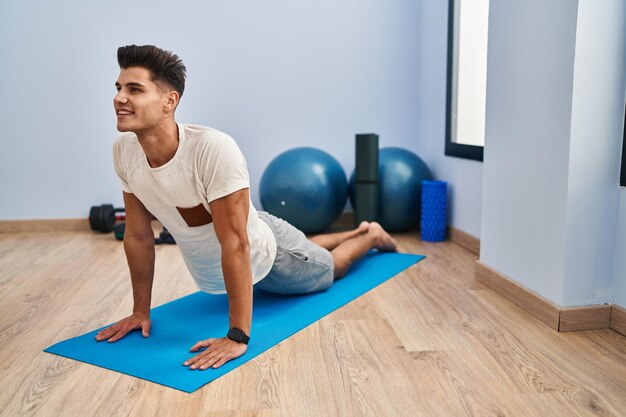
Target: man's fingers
<point>207,361</point>
<point>106,333</point>
<point>193,361</point>
<point>120,329</point>
<point>221,362</point>
<point>109,329</point>
<point>201,344</point>
<point>219,352</point>
<point>197,360</point>
<point>146,328</point>
<point>121,333</point>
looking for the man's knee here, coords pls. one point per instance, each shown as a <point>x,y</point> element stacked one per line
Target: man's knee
<point>341,264</point>
<point>340,273</point>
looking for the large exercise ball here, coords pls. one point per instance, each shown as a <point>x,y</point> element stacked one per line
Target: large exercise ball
<point>400,176</point>
<point>306,187</point>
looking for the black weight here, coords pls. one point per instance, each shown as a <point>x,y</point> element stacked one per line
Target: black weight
<point>108,218</point>
<point>102,218</point>
<point>94,218</point>
<point>165,237</point>
<point>119,231</point>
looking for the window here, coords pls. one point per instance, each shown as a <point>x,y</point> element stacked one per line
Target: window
<point>468,23</point>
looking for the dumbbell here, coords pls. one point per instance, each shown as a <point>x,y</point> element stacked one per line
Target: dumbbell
<point>102,218</point>
<point>164,237</point>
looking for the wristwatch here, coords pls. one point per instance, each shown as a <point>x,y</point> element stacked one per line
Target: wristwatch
<point>238,336</point>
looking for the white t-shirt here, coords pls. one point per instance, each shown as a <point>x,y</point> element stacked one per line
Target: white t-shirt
<point>207,165</point>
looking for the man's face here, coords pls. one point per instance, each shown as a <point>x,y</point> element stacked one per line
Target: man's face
<point>140,104</point>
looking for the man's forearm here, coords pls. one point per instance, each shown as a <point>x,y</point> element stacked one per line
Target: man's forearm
<point>238,279</point>
<point>140,257</point>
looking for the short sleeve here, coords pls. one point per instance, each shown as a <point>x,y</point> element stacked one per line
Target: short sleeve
<point>119,166</point>
<point>224,168</point>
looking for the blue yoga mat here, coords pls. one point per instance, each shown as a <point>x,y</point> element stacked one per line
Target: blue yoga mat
<point>179,324</point>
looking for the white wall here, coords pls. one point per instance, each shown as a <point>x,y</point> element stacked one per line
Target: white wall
<point>595,157</point>
<point>464,176</point>
<point>555,102</point>
<point>529,86</point>
<point>274,74</point>
<point>619,283</point>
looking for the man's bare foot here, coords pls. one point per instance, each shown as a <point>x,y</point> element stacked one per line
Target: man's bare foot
<point>363,227</point>
<point>384,241</point>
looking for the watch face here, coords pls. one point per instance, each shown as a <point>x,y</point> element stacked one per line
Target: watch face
<point>235,334</point>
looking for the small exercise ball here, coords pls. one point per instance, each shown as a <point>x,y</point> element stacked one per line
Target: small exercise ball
<point>400,176</point>
<point>306,187</point>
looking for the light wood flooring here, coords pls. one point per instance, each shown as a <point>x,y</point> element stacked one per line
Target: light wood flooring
<point>429,342</point>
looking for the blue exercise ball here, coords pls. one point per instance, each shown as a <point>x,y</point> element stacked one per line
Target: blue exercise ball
<point>306,187</point>
<point>400,176</point>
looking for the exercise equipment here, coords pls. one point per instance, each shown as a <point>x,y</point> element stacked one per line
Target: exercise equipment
<point>306,187</point>
<point>366,177</point>
<point>178,324</point>
<point>102,218</point>
<point>434,211</point>
<point>400,175</point>
<point>119,231</point>
<point>165,237</point>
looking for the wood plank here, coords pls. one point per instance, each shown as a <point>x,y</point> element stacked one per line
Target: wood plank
<point>584,318</point>
<point>526,346</point>
<point>541,308</point>
<point>50,225</point>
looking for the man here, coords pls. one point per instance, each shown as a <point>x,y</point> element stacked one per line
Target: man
<point>195,181</point>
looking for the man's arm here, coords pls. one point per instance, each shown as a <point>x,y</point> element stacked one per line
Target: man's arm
<point>230,219</point>
<point>139,248</point>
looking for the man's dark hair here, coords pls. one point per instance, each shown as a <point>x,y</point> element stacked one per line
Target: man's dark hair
<point>164,66</point>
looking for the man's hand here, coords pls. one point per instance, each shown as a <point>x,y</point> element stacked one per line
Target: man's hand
<point>121,328</point>
<point>217,353</point>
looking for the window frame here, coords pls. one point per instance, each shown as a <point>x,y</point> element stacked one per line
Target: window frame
<point>622,177</point>
<point>452,148</point>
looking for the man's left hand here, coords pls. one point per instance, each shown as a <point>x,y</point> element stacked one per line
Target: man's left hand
<point>216,354</point>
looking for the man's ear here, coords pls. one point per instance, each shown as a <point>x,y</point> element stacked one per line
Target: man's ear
<point>171,100</point>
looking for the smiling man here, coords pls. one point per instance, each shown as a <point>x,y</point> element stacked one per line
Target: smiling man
<point>194,179</point>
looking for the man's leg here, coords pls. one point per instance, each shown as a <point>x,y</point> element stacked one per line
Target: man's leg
<point>350,250</point>
<point>331,240</point>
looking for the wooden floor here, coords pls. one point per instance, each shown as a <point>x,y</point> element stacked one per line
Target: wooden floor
<point>429,342</point>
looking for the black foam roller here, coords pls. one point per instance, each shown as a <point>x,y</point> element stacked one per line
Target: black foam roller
<point>366,197</point>
<point>366,157</point>
<point>366,178</point>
